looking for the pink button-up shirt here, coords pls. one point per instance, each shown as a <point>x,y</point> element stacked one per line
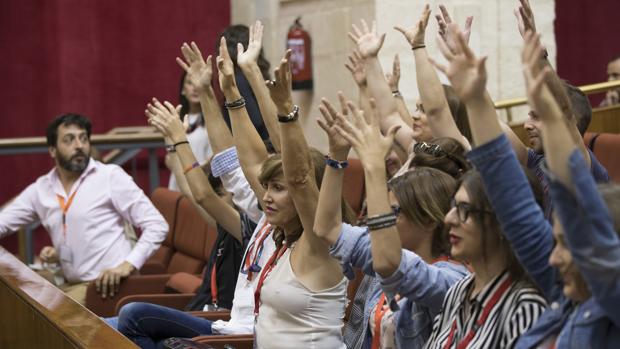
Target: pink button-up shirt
<point>106,197</point>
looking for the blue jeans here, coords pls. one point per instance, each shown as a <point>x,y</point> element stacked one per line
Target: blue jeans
<point>148,325</point>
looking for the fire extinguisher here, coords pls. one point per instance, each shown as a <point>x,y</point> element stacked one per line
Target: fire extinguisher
<point>298,41</point>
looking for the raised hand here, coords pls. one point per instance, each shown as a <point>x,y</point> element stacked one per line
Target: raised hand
<point>365,136</point>
<point>466,72</point>
<point>444,20</point>
<point>280,88</point>
<point>415,33</point>
<point>525,18</point>
<point>394,77</point>
<point>225,68</point>
<point>534,77</point>
<point>198,71</point>
<point>356,67</point>
<point>367,40</point>
<point>338,145</point>
<point>250,56</point>
<point>165,118</point>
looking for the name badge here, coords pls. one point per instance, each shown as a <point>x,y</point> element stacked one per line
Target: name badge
<point>65,254</point>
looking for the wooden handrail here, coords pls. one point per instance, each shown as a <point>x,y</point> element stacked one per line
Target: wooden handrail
<point>37,314</point>
<point>587,89</point>
<point>100,139</point>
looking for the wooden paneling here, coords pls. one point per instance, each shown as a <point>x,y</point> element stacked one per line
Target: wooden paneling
<point>36,314</point>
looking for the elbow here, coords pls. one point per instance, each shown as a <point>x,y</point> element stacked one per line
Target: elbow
<point>202,197</point>
<point>385,267</point>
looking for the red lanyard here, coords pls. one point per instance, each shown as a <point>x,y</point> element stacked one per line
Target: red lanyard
<point>255,250</point>
<point>214,284</point>
<point>380,311</point>
<point>266,270</point>
<point>64,207</point>
<point>485,314</point>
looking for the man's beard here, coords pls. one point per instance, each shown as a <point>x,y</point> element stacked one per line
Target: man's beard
<point>72,164</point>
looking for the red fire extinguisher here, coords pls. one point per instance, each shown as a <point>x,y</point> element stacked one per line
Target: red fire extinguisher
<point>298,41</point>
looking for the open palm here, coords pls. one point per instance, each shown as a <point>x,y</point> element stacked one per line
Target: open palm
<point>198,71</point>
<point>250,55</point>
<point>368,41</point>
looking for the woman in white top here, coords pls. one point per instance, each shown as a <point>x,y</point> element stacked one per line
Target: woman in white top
<point>301,293</point>
<point>196,132</point>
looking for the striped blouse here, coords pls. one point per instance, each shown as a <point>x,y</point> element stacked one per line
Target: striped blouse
<point>510,314</point>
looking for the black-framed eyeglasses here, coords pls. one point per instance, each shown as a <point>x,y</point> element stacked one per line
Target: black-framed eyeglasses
<point>463,209</point>
<point>395,210</point>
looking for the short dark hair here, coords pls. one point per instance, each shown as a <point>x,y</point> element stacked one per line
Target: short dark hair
<point>581,107</point>
<point>66,119</point>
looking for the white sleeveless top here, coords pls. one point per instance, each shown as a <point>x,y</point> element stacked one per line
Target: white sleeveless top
<point>292,316</point>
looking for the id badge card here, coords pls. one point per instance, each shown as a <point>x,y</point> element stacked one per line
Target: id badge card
<point>65,254</point>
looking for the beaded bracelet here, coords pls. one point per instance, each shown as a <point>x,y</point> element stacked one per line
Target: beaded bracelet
<point>338,165</point>
<point>236,104</point>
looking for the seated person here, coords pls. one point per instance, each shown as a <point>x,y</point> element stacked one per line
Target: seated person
<point>83,204</point>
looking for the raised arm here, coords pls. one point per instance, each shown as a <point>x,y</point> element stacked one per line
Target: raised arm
<point>369,43</point>
<point>298,166</point>
<point>372,148</point>
<point>522,221</point>
<point>247,61</point>
<point>393,80</point>
<point>250,147</point>
<point>166,119</point>
<point>526,22</point>
<point>358,72</point>
<point>200,74</point>
<point>328,220</point>
<point>431,91</point>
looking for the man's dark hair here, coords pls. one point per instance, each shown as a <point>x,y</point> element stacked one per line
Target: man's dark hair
<point>66,120</point>
<point>580,104</point>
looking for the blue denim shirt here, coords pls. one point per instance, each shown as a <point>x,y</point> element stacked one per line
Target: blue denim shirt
<point>421,285</point>
<point>576,326</point>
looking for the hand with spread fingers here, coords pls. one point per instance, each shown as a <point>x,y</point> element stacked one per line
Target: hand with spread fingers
<point>466,72</point>
<point>444,20</point>
<point>108,282</point>
<point>356,67</point>
<point>415,34</point>
<point>226,69</point>
<point>339,147</point>
<point>198,71</point>
<point>393,78</point>
<point>280,88</point>
<point>165,118</point>
<point>535,78</point>
<point>367,40</point>
<point>365,136</point>
<point>250,55</point>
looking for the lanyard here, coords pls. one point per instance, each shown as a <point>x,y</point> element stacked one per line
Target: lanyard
<point>64,207</point>
<point>268,267</point>
<point>501,290</point>
<point>380,311</point>
<point>250,266</point>
<point>214,278</point>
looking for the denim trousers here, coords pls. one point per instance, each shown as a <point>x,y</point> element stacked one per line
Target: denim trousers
<point>148,325</point>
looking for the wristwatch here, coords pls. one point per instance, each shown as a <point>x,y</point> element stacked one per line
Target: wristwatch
<point>292,116</point>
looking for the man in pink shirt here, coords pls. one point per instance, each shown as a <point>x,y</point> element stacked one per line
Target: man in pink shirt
<point>84,204</point>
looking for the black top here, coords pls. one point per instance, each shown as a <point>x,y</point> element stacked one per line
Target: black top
<point>227,255</point>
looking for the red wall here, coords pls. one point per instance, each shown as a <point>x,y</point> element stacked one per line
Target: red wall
<point>588,36</point>
<point>104,59</point>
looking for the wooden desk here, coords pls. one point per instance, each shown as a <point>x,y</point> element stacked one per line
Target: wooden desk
<point>36,314</point>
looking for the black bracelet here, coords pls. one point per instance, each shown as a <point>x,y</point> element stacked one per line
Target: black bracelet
<point>413,48</point>
<point>236,104</point>
<point>333,163</point>
<point>179,143</point>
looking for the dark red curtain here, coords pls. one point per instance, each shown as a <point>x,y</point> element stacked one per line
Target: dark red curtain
<point>588,36</point>
<point>104,59</point>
